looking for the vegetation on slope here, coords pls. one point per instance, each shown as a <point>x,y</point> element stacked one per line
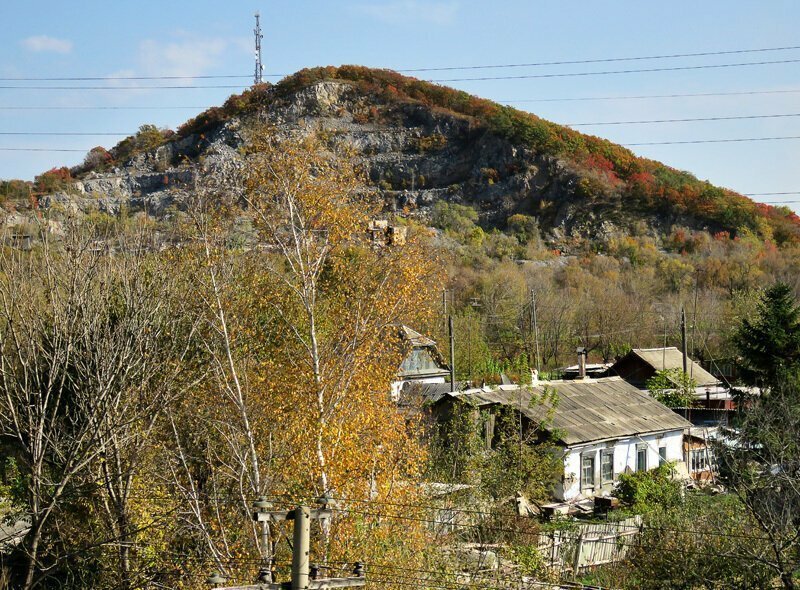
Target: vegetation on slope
<point>606,167</point>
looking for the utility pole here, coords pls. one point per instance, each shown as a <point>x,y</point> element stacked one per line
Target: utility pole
<point>258,78</point>
<point>535,326</point>
<point>683,342</point>
<point>304,576</point>
<point>452,354</point>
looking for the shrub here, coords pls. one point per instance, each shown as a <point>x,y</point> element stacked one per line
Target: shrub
<point>647,491</point>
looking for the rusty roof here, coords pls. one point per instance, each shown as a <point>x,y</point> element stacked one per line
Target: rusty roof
<point>586,410</point>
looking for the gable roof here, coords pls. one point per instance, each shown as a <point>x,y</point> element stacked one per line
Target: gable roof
<point>672,358</point>
<point>415,338</point>
<point>586,410</point>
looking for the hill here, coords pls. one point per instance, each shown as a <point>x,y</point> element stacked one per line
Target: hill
<point>419,144</point>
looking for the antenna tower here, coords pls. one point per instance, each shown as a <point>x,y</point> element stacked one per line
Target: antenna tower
<point>259,75</point>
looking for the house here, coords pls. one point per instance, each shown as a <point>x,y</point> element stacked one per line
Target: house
<point>422,363</point>
<point>713,400</point>
<point>640,364</point>
<point>604,427</point>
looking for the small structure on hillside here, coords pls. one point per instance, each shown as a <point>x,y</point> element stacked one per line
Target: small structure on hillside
<point>383,233</point>
<point>605,427</point>
<point>422,363</point>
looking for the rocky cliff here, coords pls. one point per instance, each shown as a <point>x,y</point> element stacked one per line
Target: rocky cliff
<point>420,144</point>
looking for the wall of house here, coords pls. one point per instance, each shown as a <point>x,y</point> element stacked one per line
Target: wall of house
<point>625,451</point>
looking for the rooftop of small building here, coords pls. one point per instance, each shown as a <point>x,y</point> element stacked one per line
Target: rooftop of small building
<point>585,410</point>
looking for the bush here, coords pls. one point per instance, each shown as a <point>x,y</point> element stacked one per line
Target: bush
<point>647,491</point>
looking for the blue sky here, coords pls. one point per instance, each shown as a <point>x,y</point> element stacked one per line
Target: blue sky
<point>89,38</point>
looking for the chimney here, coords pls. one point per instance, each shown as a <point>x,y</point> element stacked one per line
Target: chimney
<point>581,362</point>
<point>534,378</point>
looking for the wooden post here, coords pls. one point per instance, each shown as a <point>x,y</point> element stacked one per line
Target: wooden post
<point>576,562</point>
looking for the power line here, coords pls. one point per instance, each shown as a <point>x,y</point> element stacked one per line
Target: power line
<point>613,72</point>
<point>599,60</point>
<point>689,120</point>
<point>598,123</point>
<point>111,78</point>
<point>768,194</point>
<point>96,108</point>
<point>473,79</point>
<point>692,141</point>
<point>124,88</point>
<point>529,100</point>
<point>425,69</point>
<point>80,133</point>
<point>27,149</point>
<point>695,141</point>
<point>651,96</point>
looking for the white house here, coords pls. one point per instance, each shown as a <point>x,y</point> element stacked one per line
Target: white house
<point>605,427</point>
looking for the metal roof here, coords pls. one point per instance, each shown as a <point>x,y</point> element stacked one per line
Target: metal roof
<point>586,410</point>
<point>414,337</point>
<point>672,358</point>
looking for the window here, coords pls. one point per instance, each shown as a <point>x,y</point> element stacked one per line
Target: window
<point>587,471</point>
<point>607,466</point>
<point>662,455</point>
<point>641,457</point>
<point>698,460</point>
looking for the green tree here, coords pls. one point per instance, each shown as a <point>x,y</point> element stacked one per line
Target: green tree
<point>672,387</point>
<point>769,343</point>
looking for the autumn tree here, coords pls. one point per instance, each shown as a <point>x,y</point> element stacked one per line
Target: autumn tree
<point>297,331</point>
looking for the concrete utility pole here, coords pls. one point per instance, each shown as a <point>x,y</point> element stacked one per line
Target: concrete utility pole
<point>258,78</point>
<point>535,326</point>
<point>304,576</point>
<point>452,354</point>
<point>683,342</point>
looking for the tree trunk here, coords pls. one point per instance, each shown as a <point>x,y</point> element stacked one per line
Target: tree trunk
<point>33,553</point>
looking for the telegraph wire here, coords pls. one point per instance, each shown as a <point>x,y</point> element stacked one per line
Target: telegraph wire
<point>614,72</point>
<point>417,69</point>
<point>123,88</point>
<point>697,141</point>
<point>599,60</point>
<point>471,79</point>
<point>683,142</point>
<point>653,96</point>
<point>96,108</point>
<point>688,120</point>
<point>598,123</point>
<point>504,101</point>
<point>112,78</point>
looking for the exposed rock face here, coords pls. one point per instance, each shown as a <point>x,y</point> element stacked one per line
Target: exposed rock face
<point>413,155</point>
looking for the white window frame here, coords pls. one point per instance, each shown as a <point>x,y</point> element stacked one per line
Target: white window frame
<point>606,453</point>
<point>641,448</point>
<point>591,456</point>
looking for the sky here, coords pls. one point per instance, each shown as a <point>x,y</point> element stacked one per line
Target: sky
<point>89,38</point>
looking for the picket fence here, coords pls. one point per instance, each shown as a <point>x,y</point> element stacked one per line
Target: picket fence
<point>589,545</point>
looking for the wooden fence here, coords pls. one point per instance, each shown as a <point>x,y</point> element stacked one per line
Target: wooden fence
<point>589,545</point>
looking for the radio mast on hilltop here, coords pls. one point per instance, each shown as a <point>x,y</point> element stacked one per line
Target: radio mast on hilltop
<point>259,75</point>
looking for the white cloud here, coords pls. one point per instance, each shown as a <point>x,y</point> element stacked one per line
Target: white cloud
<point>42,43</point>
<point>183,57</point>
<point>440,13</point>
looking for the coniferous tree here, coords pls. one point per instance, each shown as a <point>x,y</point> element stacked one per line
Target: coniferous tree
<point>769,343</point>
